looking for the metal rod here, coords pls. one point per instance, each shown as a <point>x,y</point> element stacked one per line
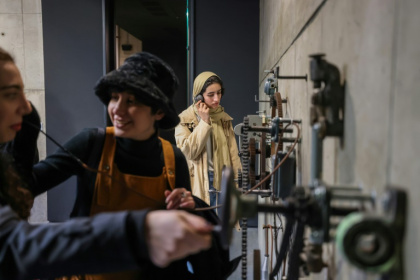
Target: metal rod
<point>316,155</point>
<point>341,211</point>
<point>275,208</point>
<point>345,188</point>
<point>353,197</point>
<point>283,120</point>
<point>284,100</point>
<point>268,192</point>
<point>294,77</point>
<point>290,140</point>
<point>266,129</point>
<point>256,100</point>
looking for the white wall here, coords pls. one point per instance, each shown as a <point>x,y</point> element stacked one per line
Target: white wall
<point>375,45</point>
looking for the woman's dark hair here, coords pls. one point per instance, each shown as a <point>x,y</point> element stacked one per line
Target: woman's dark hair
<point>13,190</point>
<point>155,106</point>
<point>210,81</point>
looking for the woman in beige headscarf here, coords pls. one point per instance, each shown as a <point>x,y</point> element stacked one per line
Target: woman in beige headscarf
<point>205,136</point>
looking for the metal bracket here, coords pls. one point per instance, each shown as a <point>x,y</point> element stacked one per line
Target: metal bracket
<point>271,84</point>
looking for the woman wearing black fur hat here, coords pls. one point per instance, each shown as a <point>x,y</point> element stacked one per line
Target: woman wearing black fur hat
<point>137,169</point>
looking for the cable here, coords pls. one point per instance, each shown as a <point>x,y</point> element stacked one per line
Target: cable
<point>284,246</point>
<point>272,247</point>
<point>84,165</point>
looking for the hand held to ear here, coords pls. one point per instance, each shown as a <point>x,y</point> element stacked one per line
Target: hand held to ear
<point>172,235</point>
<point>203,111</point>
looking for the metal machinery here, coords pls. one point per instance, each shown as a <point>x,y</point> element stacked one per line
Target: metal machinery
<point>345,214</point>
<point>257,135</point>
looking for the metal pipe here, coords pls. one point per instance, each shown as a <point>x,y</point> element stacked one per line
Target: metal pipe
<point>349,197</point>
<point>266,129</point>
<point>289,140</point>
<point>283,120</point>
<point>345,188</point>
<point>316,155</point>
<point>259,192</point>
<point>341,211</point>
<point>294,77</point>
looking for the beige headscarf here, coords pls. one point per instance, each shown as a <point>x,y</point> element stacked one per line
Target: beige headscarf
<point>221,155</point>
<point>200,81</point>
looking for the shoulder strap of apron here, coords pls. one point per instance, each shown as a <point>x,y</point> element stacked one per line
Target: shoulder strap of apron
<point>110,130</point>
<point>95,155</point>
<point>169,158</point>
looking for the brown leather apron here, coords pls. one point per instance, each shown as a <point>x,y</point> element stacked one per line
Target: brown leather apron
<point>118,191</point>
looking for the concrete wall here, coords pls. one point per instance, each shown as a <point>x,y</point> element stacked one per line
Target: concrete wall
<point>21,35</point>
<point>375,46</point>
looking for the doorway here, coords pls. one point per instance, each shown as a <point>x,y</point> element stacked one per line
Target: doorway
<point>155,26</point>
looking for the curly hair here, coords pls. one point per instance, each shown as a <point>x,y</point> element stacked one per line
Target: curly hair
<point>13,190</point>
<point>5,56</point>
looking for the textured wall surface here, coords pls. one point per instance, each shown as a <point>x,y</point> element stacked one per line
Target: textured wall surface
<point>373,43</point>
<point>21,35</point>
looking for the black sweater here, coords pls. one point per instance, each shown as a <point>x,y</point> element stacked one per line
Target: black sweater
<point>142,158</point>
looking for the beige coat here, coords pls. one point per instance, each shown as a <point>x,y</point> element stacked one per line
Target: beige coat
<point>193,145</point>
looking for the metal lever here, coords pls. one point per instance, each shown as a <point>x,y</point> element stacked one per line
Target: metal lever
<point>271,84</point>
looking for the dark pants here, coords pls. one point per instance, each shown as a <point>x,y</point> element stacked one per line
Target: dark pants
<point>213,195</point>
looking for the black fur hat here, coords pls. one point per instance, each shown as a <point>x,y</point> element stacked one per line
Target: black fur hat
<point>150,79</point>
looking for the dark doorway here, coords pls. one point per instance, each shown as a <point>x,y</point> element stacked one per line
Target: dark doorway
<point>161,26</point>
